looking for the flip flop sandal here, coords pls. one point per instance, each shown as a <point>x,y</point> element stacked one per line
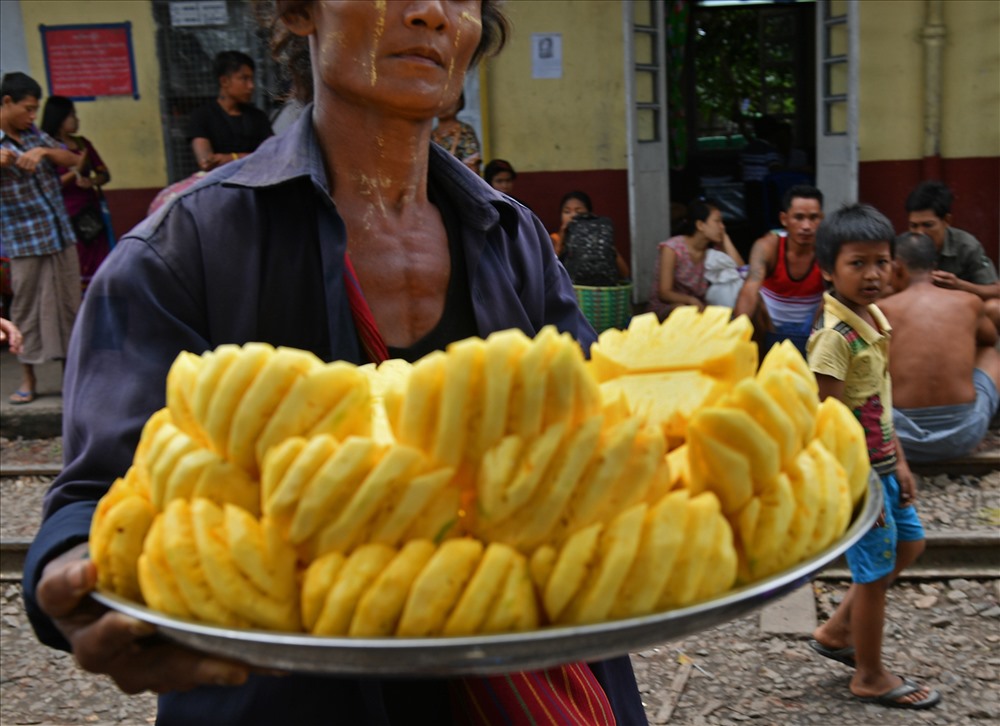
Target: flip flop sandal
<point>843,655</point>
<point>19,397</point>
<point>891,698</point>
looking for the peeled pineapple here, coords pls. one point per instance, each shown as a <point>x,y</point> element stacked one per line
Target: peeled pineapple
<point>501,485</point>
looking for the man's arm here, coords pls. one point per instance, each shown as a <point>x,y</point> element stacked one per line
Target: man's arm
<point>951,281</point>
<point>730,249</point>
<point>143,309</point>
<point>763,257</point>
<point>986,331</point>
<point>207,159</point>
<point>30,159</point>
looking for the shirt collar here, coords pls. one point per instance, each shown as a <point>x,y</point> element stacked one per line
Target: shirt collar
<point>833,306</point>
<point>296,154</point>
<point>948,248</point>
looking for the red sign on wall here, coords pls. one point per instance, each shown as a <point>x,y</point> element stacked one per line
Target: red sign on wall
<point>86,61</point>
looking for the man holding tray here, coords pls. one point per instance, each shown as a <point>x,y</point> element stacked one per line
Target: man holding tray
<point>351,237</point>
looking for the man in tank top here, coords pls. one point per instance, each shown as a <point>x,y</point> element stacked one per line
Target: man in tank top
<point>784,289</point>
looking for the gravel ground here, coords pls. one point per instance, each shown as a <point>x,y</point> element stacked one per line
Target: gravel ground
<point>946,633</point>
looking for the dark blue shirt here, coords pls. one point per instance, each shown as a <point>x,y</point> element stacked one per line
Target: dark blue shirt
<point>255,252</point>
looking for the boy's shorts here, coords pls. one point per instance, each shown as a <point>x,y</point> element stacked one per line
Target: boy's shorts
<point>874,555</point>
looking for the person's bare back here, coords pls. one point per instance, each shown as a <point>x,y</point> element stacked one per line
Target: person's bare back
<point>934,339</point>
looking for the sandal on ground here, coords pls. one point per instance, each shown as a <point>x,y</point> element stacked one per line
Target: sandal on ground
<point>891,698</point>
<point>19,397</point>
<point>843,655</point>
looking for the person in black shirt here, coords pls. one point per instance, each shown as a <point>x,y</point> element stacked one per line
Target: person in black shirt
<point>229,127</point>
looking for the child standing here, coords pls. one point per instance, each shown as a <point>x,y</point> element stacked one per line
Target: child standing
<point>850,357</point>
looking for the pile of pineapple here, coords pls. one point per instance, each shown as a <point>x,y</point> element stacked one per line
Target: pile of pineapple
<point>502,485</point>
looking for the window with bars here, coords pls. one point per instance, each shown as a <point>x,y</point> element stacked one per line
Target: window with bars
<point>646,42</point>
<point>186,53</point>
<point>835,67</point>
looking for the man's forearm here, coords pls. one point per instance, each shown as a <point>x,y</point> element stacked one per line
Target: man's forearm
<point>746,302</point>
<point>62,157</point>
<point>985,292</point>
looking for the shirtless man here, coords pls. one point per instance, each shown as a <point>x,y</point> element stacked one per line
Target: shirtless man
<point>784,288</point>
<point>962,262</point>
<point>944,394</point>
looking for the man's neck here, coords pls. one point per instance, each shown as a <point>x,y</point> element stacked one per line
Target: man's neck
<point>922,277</point>
<point>229,104</point>
<point>800,248</point>
<point>10,130</point>
<point>387,183</point>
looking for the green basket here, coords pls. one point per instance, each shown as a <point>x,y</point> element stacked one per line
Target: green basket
<point>606,307</point>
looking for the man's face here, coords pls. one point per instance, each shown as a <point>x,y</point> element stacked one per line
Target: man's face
<point>802,219</point>
<point>930,224</point>
<point>18,116</point>
<point>405,58</point>
<point>239,85</point>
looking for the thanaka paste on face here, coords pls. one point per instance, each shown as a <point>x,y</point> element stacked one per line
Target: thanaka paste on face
<point>380,8</point>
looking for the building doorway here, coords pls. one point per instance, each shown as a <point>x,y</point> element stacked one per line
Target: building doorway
<point>741,107</point>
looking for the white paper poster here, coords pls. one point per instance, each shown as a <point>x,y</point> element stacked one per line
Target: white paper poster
<point>546,55</point>
<point>198,12</point>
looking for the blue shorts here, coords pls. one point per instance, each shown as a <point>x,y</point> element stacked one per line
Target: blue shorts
<point>874,555</point>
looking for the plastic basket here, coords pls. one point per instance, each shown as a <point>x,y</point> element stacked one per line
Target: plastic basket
<point>606,307</point>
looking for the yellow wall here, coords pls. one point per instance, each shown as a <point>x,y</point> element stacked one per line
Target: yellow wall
<point>971,115</point>
<point>892,82</point>
<point>890,95</point>
<point>126,132</point>
<point>575,122</point>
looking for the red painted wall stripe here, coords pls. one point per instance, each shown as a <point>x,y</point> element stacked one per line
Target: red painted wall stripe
<point>974,181</point>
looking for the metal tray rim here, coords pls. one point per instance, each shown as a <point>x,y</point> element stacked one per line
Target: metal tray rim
<point>493,653</point>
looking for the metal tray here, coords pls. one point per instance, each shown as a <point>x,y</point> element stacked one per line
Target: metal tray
<point>493,653</point>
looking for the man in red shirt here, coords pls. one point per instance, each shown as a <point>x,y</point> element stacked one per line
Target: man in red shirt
<point>784,288</point>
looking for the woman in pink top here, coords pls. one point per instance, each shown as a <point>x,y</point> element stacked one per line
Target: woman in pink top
<point>680,265</point>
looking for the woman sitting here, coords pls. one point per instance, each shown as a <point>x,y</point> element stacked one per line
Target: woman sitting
<point>577,204</point>
<point>572,204</point>
<point>680,266</point>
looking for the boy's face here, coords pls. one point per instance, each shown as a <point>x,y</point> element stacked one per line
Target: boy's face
<point>19,115</point>
<point>239,85</point>
<point>860,272</point>
<point>930,224</point>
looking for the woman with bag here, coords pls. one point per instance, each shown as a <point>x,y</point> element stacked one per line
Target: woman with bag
<point>685,269</point>
<point>81,186</point>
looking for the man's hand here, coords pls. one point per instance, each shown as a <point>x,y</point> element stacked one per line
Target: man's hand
<point>29,160</point>
<point>104,641</point>
<point>7,157</point>
<point>945,279</point>
<point>10,334</point>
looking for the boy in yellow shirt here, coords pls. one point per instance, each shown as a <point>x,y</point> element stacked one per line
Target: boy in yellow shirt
<point>850,357</point>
